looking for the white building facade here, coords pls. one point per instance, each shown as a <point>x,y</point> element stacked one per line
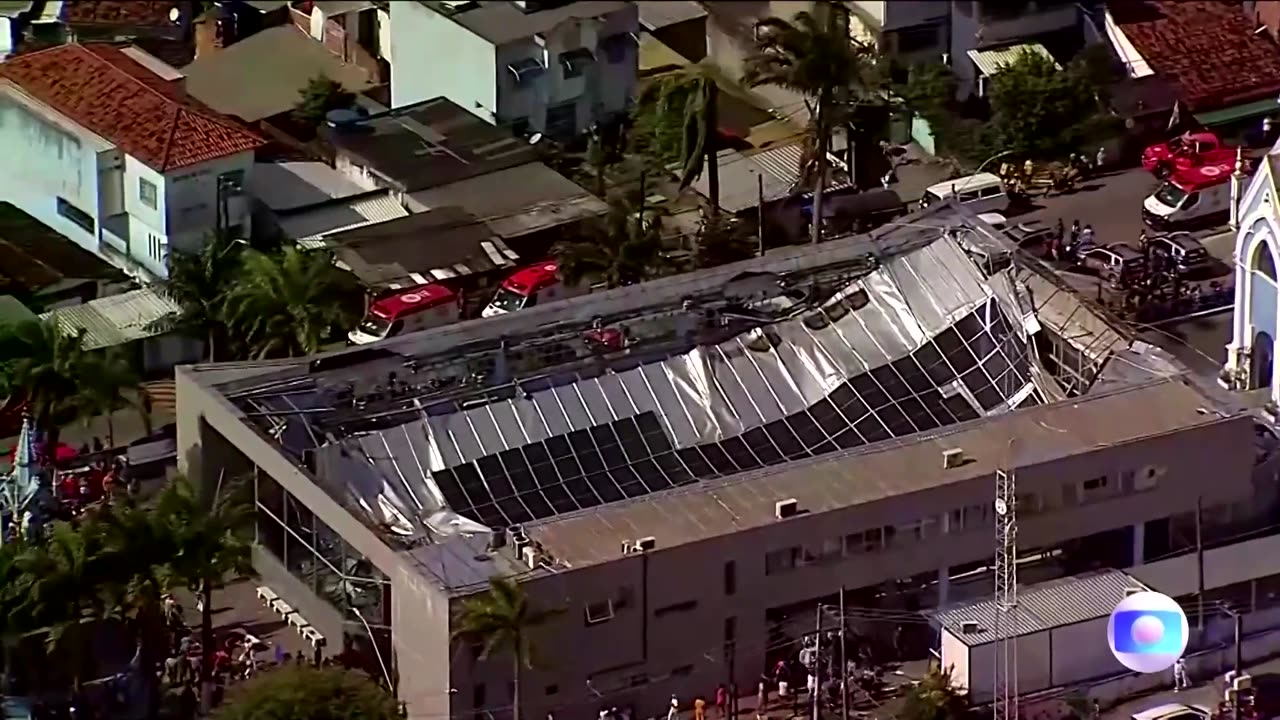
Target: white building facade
<point>550,67</point>
<point>122,169</point>
<point>1251,354</point>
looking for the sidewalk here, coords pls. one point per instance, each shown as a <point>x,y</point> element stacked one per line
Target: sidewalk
<point>1206,693</point>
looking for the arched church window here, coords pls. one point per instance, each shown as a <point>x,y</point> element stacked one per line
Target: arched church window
<point>1263,261</point>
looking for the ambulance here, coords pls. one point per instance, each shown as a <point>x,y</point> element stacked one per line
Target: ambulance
<point>1192,196</point>
<point>530,286</point>
<point>406,311</point>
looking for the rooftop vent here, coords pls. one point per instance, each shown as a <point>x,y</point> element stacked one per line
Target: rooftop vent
<point>953,458</point>
<point>497,541</point>
<point>784,509</point>
<point>970,628</point>
<point>635,547</point>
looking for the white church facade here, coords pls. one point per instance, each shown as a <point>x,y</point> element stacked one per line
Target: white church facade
<point>1253,349</point>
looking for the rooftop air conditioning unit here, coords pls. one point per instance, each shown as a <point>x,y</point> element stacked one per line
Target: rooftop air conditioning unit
<point>969,627</point>
<point>646,544</point>
<point>784,509</point>
<point>952,458</point>
<point>531,555</point>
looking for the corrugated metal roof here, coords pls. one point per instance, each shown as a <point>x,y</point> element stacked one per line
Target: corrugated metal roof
<point>779,166</point>
<point>117,319</point>
<point>658,15</point>
<point>990,61</point>
<point>1045,606</point>
<point>314,224</point>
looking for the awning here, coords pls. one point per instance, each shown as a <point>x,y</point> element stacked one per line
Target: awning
<point>990,61</point>
<point>1258,108</point>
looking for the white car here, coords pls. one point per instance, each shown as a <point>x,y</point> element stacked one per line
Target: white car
<point>1174,711</point>
<point>994,219</point>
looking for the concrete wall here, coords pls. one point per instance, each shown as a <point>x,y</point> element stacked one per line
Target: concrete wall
<point>421,40</point>
<point>212,434</point>
<point>57,158</point>
<point>191,196</point>
<point>636,643</point>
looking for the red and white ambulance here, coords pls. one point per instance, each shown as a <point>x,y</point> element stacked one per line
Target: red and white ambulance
<point>529,286</point>
<point>1194,195</point>
<point>406,311</point>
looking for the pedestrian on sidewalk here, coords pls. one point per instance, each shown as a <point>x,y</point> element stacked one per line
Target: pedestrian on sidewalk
<point>1180,679</point>
<point>1075,232</point>
<point>699,709</point>
<point>673,712</point>
<point>762,694</point>
<point>722,701</point>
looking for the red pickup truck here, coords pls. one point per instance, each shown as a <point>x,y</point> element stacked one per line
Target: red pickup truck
<point>1188,150</point>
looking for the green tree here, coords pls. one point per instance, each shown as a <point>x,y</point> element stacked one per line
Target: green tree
<point>289,304</point>
<point>675,121</point>
<point>933,698</point>
<point>65,597</point>
<point>14,587</point>
<point>138,551</point>
<point>1041,111</point>
<point>306,693</point>
<point>622,248</point>
<point>45,366</point>
<point>503,619</point>
<point>211,549</point>
<point>109,385</point>
<point>723,239</point>
<point>812,55</point>
<point>197,283</point>
<point>319,97</point>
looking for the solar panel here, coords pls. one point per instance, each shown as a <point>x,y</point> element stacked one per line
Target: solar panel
<point>634,456</point>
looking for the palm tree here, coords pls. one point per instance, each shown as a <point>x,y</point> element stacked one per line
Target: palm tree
<point>622,248</point>
<point>211,549</point>
<point>692,94</point>
<point>64,600</point>
<point>502,619</point>
<point>14,586</point>
<point>45,366</point>
<point>813,55</point>
<point>935,697</point>
<point>198,283</point>
<point>136,560</point>
<point>110,384</point>
<point>289,304</point>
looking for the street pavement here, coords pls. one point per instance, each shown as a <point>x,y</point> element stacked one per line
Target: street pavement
<point>1206,693</point>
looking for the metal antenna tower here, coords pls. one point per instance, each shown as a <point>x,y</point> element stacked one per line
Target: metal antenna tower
<point>1005,677</point>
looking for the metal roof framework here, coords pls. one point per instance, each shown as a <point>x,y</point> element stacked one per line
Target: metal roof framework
<point>920,342</point>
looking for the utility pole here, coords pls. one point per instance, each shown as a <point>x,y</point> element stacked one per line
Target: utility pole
<point>844,672</point>
<point>759,215</point>
<point>1239,622</point>
<point>1005,676</point>
<point>817,662</point>
<point>1199,564</point>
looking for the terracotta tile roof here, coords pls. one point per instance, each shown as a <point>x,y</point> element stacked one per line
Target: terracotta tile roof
<point>123,13</point>
<point>1207,47</point>
<point>109,94</point>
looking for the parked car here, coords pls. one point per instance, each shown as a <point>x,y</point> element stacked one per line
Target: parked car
<point>1174,711</point>
<point>1030,234</point>
<point>1117,264</point>
<point>1184,249</point>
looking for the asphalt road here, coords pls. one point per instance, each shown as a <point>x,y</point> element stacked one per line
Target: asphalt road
<point>1205,693</point>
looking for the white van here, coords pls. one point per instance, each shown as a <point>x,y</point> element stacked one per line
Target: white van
<point>979,193</point>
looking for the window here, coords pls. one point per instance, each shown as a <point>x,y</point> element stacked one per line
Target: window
<point>917,39</point>
<point>1029,503</point>
<point>780,561</point>
<point>231,183</point>
<point>525,72</point>
<point>147,193</point>
<point>599,612</point>
<point>553,689</point>
<point>864,542</point>
<point>82,219</point>
<point>730,578</point>
<point>1192,199</point>
<point>575,62</point>
<point>730,630</point>
<point>1095,484</point>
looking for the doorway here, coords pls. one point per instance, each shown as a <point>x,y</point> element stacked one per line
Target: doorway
<point>1262,360</point>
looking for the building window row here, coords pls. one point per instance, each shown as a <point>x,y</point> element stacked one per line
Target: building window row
<point>978,516</point>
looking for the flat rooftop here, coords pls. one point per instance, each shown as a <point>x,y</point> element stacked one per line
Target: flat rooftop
<point>891,469</point>
<point>429,144</point>
<point>34,257</point>
<point>501,22</point>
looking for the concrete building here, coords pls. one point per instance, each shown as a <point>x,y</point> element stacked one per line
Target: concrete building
<point>118,159</point>
<point>770,432</point>
<point>534,67</point>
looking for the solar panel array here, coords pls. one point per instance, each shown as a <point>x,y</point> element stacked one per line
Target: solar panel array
<point>633,457</point>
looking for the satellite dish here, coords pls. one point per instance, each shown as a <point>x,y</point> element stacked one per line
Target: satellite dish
<point>535,138</point>
<point>175,15</point>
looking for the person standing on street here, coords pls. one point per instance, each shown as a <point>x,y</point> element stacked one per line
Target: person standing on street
<point>722,701</point>
<point>1180,679</point>
<point>673,712</point>
<point>699,709</point>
